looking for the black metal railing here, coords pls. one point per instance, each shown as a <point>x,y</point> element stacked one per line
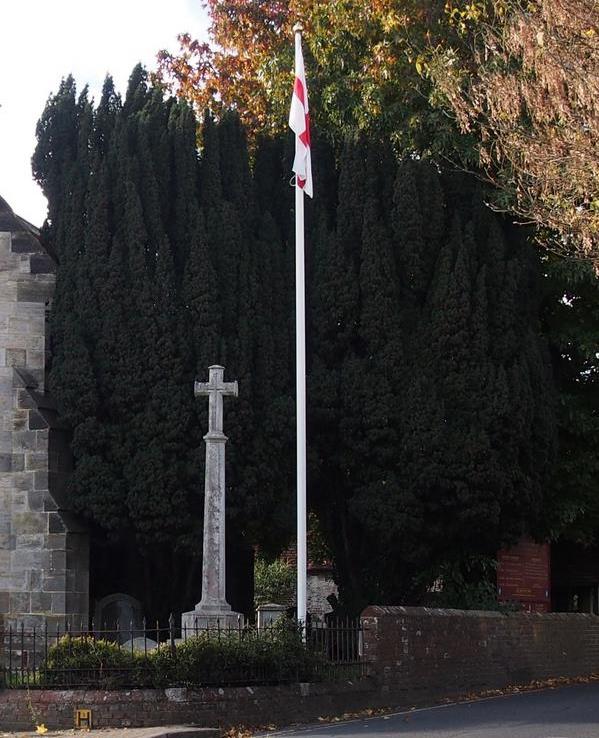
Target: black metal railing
<point>163,656</point>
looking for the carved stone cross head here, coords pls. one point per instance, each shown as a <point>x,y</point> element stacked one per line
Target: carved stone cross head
<point>216,388</point>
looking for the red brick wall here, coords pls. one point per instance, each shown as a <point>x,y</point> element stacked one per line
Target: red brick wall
<point>414,655</point>
<point>209,708</point>
<point>420,654</point>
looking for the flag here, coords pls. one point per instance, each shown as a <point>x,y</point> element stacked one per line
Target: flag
<point>299,122</point>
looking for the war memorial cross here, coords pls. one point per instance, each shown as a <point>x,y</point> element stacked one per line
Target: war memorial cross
<point>213,607</point>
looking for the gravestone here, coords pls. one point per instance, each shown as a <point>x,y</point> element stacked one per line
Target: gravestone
<point>44,567</point>
<point>119,612</point>
<point>141,644</point>
<point>269,613</point>
<point>213,609</point>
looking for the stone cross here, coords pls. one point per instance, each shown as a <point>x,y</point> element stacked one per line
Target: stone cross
<point>216,389</point>
<point>213,606</point>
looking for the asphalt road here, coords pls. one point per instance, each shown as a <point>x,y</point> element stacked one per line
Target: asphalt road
<point>568,712</point>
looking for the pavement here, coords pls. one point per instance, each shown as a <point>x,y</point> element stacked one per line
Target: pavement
<point>566,712</point>
<point>179,731</point>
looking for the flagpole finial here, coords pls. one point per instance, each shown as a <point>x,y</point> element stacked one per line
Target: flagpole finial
<point>298,28</point>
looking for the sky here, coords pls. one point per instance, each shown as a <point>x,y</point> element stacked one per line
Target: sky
<point>42,41</point>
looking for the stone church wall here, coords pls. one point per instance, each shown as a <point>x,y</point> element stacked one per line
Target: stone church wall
<point>43,550</point>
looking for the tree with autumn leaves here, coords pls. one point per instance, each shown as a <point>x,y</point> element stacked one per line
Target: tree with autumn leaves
<point>507,87</point>
<point>363,57</point>
<point>525,83</point>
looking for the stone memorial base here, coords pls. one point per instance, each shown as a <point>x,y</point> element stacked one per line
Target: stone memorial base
<point>206,617</point>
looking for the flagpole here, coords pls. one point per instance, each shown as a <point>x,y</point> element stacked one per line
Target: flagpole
<point>300,384</point>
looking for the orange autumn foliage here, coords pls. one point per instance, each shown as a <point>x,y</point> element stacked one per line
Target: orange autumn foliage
<point>509,87</point>
<point>360,60</point>
<point>528,89</point>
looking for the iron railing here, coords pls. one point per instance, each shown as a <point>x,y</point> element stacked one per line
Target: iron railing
<point>166,656</point>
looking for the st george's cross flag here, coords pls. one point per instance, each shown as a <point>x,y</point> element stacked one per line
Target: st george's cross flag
<point>299,122</point>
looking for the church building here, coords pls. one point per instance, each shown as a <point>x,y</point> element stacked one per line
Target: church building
<point>44,559</point>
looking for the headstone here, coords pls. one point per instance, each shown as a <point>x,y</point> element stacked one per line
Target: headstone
<point>140,644</point>
<point>213,609</point>
<point>269,613</point>
<point>120,615</point>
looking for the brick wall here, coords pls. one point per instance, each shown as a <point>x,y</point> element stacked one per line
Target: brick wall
<point>419,654</point>
<point>414,655</point>
<point>222,707</point>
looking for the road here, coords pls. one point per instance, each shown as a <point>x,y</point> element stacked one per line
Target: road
<point>568,712</point>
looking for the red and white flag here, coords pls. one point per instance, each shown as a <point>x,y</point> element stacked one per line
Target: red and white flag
<point>299,122</point>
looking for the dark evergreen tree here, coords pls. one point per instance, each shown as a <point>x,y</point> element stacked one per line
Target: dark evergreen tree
<point>571,312</point>
<point>158,280</point>
<point>432,411</point>
<point>106,115</point>
<point>52,163</point>
<point>423,458</point>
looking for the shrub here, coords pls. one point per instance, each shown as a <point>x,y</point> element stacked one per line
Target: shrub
<point>85,660</point>
<point>246,656</point>
<point>231,657</point>
<point>274,581</point>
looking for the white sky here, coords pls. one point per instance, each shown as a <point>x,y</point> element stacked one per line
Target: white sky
<point>42,41</point>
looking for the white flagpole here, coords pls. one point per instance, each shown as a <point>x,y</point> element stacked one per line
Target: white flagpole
<point>300,383</point>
